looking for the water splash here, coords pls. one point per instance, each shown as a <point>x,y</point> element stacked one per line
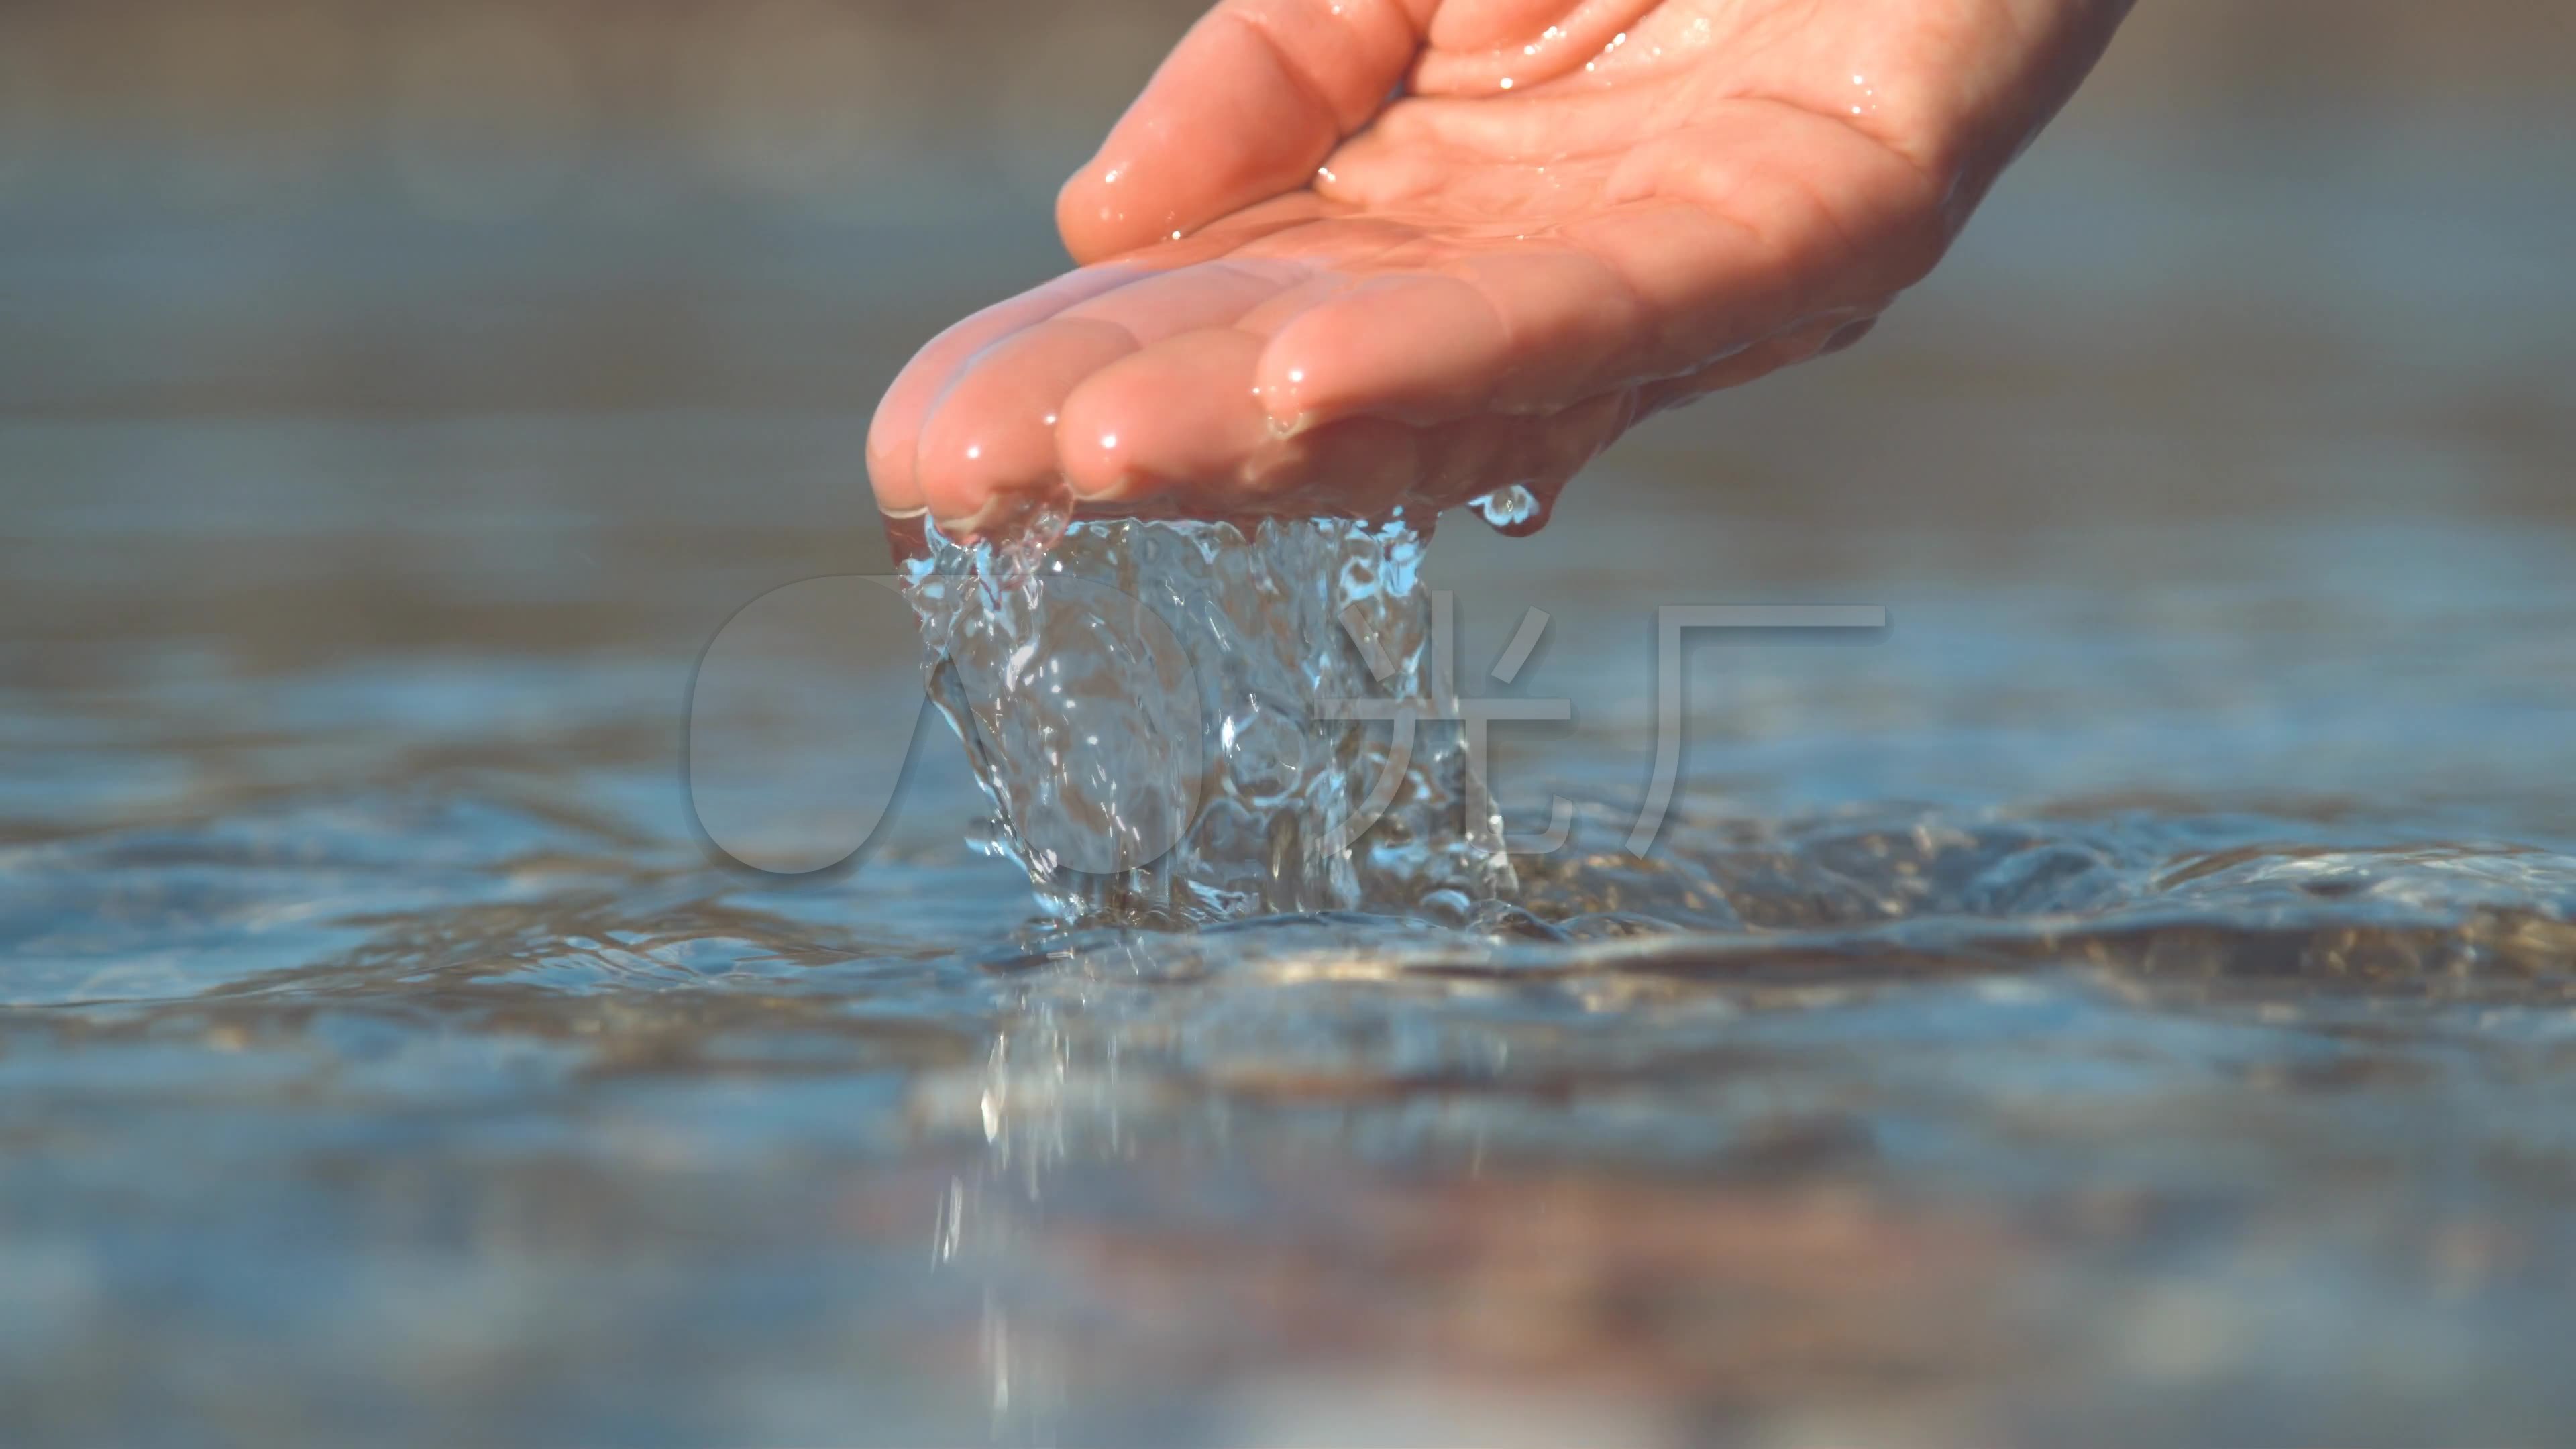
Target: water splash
<point>1187,721</point>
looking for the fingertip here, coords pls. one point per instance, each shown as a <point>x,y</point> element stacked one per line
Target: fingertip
<point>1099,213</point>
<point>891,442</point>
<point>991,432</point>
<point>1281,383</point>
<point>1092,446</point>
<point>894,432</point>
<point>1250,100</point>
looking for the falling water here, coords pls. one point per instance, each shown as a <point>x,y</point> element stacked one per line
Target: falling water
<point>1192,721</point>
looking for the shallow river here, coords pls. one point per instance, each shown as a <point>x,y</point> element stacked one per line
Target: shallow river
<point>2137,984</point>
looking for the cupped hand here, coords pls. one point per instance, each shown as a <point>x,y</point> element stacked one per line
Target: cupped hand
<point>1345,254</point>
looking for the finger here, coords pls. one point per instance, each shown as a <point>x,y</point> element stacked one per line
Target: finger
<point>1175,422</point>
<point>1513,328</point>
<point>1418,348</point>
<point>1193,298</point>
<point>990,437</point>
<point>894,435</point>
<point>991,424</point>
<point>1245,107</point>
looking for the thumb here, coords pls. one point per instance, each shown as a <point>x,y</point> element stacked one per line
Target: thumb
<point>1250,102</point>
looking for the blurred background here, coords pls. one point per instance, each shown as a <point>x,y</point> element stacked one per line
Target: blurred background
<point>396,399</point>
<point>222,211</point>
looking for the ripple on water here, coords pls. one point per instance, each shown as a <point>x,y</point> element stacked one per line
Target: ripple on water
<point>1161,713</point>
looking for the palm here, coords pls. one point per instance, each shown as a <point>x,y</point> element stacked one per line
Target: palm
<point>1300,297</point>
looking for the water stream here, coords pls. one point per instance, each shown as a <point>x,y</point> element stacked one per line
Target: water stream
<point>1200,721</point>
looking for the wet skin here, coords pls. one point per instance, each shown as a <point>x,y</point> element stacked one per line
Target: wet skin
<point>1344,254</point>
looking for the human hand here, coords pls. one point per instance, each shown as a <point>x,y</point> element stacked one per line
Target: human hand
<point>1346,254</point>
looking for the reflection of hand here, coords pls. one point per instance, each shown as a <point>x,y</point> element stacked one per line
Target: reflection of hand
<point>1306,290</point>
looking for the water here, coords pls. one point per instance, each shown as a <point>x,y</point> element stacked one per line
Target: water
<point>2132,986</point>
<point>1161,715</point>
<point>1184,722</point>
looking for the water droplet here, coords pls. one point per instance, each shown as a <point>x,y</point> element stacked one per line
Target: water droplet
<point>1516,511</point>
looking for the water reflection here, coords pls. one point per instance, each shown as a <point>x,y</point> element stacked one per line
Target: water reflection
<point>2116,1112</point>
<point>1808,1187</point>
